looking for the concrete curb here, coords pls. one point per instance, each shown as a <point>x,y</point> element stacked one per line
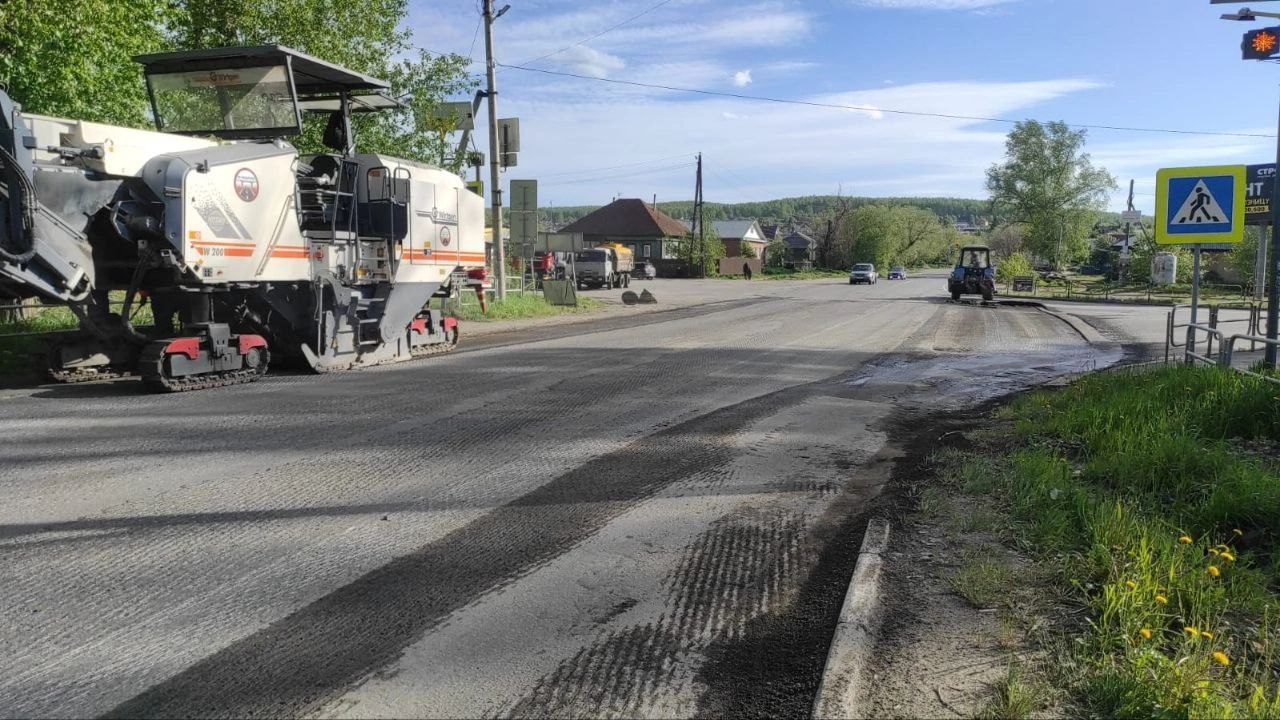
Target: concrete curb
<point>841,691</point>
<point>1085,330</point>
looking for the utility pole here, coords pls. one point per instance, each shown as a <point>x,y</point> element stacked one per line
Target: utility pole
<point>699,221</point>
<point>1123,271</point>
<point>495,162</point>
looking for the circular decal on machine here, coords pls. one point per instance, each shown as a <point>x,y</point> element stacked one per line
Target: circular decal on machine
<point>445,236</point>
<point>246,185</point>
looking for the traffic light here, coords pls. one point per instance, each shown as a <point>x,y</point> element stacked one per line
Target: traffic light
<point>1261,44</point>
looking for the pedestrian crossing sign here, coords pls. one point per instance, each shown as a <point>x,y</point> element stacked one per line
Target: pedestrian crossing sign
<point>1200,205</point>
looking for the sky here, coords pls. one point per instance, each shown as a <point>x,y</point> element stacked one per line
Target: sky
<point>1169,64</point>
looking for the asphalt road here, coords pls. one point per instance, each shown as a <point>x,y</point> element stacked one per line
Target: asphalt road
<point>591,519</point>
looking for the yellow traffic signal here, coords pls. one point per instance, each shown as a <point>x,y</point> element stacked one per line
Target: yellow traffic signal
<point>1262,44</point>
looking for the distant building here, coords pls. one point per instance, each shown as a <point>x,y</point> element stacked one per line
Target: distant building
<point>651,234</point>
<point>801,248</point>
<point>967,228</point>
<point>735,234</point>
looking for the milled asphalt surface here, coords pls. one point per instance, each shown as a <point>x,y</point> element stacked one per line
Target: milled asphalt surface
<point>567,519</point>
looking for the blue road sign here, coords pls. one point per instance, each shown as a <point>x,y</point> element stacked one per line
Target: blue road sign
<point>1200,205</point>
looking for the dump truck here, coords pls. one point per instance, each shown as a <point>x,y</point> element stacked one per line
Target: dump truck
<point>249,252</point>
<point>608,266</point>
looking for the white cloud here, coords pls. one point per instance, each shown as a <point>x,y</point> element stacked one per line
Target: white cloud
<point>760,150</point>
<point>933,4</point>
<point>589,61</point>
<point>742,78</point>
<point>784,67</point>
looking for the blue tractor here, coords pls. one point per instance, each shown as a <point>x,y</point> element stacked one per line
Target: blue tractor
<point>974,274</point>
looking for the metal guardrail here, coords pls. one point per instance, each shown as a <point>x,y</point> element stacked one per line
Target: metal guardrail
<point>1207,358</point>
<point>1229,350</point>
<point>1172,326</point>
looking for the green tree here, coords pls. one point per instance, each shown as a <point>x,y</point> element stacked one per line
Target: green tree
<point>75,59</point>
<point>708,251</point>
<point>1013,265</point>
<point>364,35</point>
<point>1048,184</point>
<point>776,253</point>
<point>888,235</point>
<point>748,251</point>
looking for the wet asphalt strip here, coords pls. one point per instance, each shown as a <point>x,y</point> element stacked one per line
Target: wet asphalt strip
<point>591,326</point>
<point>299,663</point>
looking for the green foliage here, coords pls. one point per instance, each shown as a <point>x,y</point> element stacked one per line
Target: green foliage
<point>708,250</point>
<point>982,581</point>
<point>748,251</point>
<point>1244,256</point>
<point>75,59</point>
<point>811,211</point>
<point>1049,185</point>
<point>1014,265</point>
<point>1130,483</point>
<point>1014,696</point>
<point>888,235</point>
<point>781,273</point>
<point>1140,262</point>
<point>518,307</point>
<point>775,253</point>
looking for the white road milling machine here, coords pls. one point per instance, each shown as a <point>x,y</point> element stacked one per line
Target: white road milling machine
<point>247,251</point>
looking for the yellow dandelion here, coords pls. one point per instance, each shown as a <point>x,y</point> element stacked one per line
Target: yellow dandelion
<point>1185,539</point>
<point>1206,634</point>
<point>1145,633</point>
<point>1131,584</point>
<point>1162,600</point>
<point>1214,552</point>
<point>1191,631</point>
<point>1227,555</point>
<point>1221,658</point>
<point>1214,571</point>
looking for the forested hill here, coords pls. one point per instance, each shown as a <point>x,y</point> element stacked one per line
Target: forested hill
<point>803,210</point>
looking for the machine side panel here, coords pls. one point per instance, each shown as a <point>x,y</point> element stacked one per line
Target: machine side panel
<point>239,221</point>
<point>446,223</point>
<point>124,150</point>
<point>471,244</point>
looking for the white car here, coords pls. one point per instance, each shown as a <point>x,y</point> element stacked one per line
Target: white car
<point>863,273</point>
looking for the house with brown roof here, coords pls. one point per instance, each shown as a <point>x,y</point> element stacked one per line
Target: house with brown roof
<point>652,235</point>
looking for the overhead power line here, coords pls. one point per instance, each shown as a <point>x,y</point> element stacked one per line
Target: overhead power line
<point>602,178</point>
<point>616,167</point>
<point>875,109</point>
<point>586,40</point>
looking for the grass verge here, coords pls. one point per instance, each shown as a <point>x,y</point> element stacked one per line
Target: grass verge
<point>16,353</point>
<point>1151,501</point>
<point>815,274</point>
<point>520,307</point>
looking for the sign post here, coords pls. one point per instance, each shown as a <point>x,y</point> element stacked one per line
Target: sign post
<point>1200,205</point>
<point>1273,299</point>
<point>1264,44</point>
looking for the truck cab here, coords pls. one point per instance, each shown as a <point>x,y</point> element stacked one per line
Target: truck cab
<point>605,267</point>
